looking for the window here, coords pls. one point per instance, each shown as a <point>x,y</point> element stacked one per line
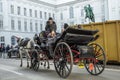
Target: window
<point>62,25</point>
<point>71,23</point>
<point>19,25</point>
<point>30,12</point>
<point>1,22</point>
<point>25,12</point>
<point>41,14</point>
<point>82,12</point>
<point>13,40</point>
<point>12,24</point>
<point>36,27</point>
<point>49,14</point>
<point>18,8</point>
<point>2,39</point>
<point>3,44</point>
<point>1,8</point>
<point>12,9</point>
<point>25,25</point>
<point>41,27</point>
<point>82,21</point>
<point>31,29</point>
<point>35,13</point>
<point>61,16</point>
<point>53,16</point>
<point>45,14</point>
<point>71,12</point>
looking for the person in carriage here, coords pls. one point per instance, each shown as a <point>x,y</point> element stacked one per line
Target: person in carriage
<point>51,28</point>
<point>46,38</point>
<point>65,27</point>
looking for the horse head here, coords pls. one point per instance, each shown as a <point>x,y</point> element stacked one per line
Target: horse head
<point>37,40</point>
<point>18,39</point>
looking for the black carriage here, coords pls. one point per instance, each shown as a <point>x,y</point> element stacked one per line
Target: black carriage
<point>74,46</point>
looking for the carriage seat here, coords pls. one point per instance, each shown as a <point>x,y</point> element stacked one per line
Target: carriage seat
<point>24,42</point>
<point>78,36</point>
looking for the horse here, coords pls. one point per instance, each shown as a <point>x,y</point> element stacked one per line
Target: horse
<point>25,45</point>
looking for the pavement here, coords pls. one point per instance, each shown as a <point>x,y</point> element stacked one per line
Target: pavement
<point>10,70</point>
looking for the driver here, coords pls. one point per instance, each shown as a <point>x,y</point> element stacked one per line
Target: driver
<point>51,28</point>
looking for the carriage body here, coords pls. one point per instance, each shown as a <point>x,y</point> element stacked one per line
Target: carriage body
<point>73,47</point>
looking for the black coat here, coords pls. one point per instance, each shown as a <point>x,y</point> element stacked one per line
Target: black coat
<point>50,27</point>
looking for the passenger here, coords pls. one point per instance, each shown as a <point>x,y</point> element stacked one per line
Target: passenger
<point>65,27</point>
<point>51,27</point>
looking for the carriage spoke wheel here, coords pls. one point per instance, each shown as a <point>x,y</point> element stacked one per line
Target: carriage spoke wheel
<point>63,59</point>
<point>35,60</point>
<point>44,61</point>
<point>96,65</point>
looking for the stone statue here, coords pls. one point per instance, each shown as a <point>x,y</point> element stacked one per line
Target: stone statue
<point>89,13</point>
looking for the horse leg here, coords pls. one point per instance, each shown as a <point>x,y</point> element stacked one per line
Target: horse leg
<point>31,63</point>
<point>27,62</point>
<point>28,57</point>
<point>21,57</point>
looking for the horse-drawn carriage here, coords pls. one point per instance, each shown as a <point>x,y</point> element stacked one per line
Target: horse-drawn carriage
<point>73,46</point>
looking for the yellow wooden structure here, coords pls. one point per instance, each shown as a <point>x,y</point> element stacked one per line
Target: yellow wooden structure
<point>109,32</point>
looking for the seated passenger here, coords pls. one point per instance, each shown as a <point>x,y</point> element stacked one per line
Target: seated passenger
<point>51,27</point>
<point>65,27</point>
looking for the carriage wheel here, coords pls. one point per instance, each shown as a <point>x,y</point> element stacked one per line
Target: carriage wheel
<point>44,60</point>
<point>63,59</point>
<point>35,60</point>
<point>96,65</point>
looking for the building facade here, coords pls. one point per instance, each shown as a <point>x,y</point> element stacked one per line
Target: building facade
<point>24,18</point>
<point>74,13</point>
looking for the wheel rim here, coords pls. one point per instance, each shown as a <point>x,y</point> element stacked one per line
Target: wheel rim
<point>63,60</point>
<point>98,62</point>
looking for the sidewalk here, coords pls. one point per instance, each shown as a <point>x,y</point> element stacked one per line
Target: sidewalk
<point>3,55</point>
<point>113,66</point>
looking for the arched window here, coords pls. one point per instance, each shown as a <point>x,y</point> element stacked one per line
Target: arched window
<point>71,12</point>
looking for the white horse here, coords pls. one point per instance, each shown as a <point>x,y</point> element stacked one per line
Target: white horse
<point>25,45</point>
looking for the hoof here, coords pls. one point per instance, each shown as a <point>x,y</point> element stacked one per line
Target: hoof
<point>20,65</point>
<point>41,63</point>
<point>30,67</point>
<point>27,66</point>
<point>48,67</point>
<point>44,65</point>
